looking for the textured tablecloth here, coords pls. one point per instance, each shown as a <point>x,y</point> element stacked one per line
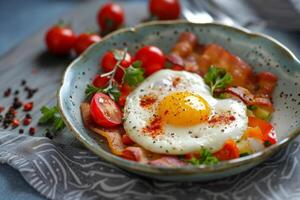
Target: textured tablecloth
<point>64,172</point>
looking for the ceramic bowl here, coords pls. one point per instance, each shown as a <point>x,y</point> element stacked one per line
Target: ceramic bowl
<point>260,51</point>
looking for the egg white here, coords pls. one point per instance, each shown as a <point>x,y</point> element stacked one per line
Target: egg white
<point>178,140</point>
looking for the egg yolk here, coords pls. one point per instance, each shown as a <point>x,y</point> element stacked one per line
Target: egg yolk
<point>183,109</point>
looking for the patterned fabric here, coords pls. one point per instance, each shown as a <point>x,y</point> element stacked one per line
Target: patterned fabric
<point>63,172</point>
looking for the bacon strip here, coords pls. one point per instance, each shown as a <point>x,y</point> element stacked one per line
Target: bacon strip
<point>135,154</point>
<point>248,98</point>
<point>168,161</point>
<point>112,135</point>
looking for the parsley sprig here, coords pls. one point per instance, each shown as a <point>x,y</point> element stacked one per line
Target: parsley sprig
<point>205,158</point>
<point>133,75</point>
<point>51,116</point>
<point>217,78</point>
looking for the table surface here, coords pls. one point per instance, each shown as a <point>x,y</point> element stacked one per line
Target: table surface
<point>45,13</point>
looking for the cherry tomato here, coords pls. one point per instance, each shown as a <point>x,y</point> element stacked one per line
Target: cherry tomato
<point>60,40</point>
<point>108,63</point>
<point>152,59</point>
<point>84,40</point>
<point>99,81</point>
<point>110,17</point>
<point>125,91</point>
<point>165,9</point>
<point>104,111</point>
<point>126,140</point>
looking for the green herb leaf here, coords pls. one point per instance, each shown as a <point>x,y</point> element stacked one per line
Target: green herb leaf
<point>47,114</point>
<point>58,124</point>
<point>134,74</point>
<point>217,78</point>
<point>205,158</point>
<point>52,117</point>
<point>91,90</point>
<point>113,92</point>
<point>119,55</point>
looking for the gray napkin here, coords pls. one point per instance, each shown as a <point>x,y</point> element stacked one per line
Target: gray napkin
<point>63,172</point>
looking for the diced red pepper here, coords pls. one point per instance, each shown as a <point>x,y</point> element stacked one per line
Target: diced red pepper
<point>229,151</point>
<point>267,129</point>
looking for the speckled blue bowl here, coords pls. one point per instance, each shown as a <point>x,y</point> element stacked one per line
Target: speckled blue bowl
<point>260,51</point>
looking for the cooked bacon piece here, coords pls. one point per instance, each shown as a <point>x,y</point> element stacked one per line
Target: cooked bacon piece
<point>175,59</point>
<point>216,55</point>
<point>168,161</point>
<point>183,49</point>
<point>188,37</point>
<point>266,83</point>
<point>112,135</point>
<point>249,99</point>
<point>135,154</point>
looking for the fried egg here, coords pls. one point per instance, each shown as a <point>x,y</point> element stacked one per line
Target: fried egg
<point>173,112</point>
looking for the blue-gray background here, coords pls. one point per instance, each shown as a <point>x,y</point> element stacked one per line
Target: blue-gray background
<point>20,19</point>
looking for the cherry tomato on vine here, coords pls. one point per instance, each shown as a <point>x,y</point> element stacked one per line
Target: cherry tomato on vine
<point>152,59</point>
<point>60,40</point>
<point>110,17</point>
<point>165,9</point>
<point>104,111</point>
<point>99,81</point>
<point>84,40</point>
<point>108,63</point>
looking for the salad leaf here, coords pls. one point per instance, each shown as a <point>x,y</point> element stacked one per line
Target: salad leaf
<point>217,78</point>
<point>134,74</point>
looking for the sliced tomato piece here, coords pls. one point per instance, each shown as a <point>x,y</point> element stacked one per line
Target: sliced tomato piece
<point>105,111</point>
<point>229,151</point>
<point>267,129</point>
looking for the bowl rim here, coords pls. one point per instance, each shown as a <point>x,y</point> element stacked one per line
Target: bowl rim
<point>221,166</point>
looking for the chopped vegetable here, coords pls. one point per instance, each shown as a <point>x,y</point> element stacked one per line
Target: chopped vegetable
<point>262,113</point>
<point>51,115</point>
<point>266,128</point>
<point>229,151</point>
<point>205,158</point>
<point>217,78</point>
